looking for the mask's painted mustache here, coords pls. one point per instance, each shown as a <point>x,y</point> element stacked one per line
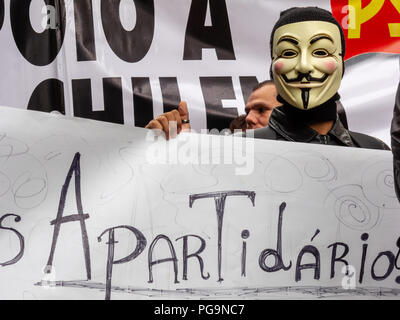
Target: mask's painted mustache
<point>307,76</point>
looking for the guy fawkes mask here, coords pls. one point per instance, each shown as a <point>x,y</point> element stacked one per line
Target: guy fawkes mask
<point>307,62</point>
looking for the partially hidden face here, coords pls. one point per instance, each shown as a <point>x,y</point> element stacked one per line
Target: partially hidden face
<point>307,63</point>
<point>259,106</point>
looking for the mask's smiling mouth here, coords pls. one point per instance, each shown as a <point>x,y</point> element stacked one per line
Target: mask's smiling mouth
<point>305,80</point>
<point>308,85</point>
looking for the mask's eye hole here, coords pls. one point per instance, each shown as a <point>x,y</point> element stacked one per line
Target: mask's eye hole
<point>320,53</point>
<point>289,54</point>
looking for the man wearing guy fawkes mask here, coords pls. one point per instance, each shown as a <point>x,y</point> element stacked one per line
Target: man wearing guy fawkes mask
<point>307,50</point>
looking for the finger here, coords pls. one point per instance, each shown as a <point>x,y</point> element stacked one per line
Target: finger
<point>178,120</point>
<point>154,124</point>
<point>173,124</point>
<point>169,116</point>
<point>184,113</point>
<point>165,125</point>
<point>156,128</point>
<point>177,117</point>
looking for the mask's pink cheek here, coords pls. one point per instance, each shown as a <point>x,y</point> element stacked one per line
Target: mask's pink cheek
<point>331,66</point>
<point>278,66</point>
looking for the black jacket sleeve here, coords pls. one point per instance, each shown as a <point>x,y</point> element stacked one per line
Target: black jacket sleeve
<point>395,132</point>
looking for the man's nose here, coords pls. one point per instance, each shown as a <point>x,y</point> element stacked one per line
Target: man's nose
<point>304,64</point>
<point>251,119</point>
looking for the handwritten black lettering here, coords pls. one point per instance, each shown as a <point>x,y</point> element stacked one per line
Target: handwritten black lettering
<point>173,257</point>
<point>398,254</point>
<point>20,238</point>
<point>335,259</point>
<point>391,258</point>
<point>140,246</point>
<point>220,198</point>
<point>245,235</point>
<point>186,256</point>
<point>364,237</point>
<point>277,254</point>
<point>81,217</point>
<point>316,266</point>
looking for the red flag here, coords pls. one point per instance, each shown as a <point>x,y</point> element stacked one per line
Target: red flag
<point>369,25</point>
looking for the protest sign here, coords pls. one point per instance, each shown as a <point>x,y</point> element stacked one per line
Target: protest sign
<point>92,210</point>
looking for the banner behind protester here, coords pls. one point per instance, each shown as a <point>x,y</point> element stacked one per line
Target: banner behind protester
<point>128,61</point>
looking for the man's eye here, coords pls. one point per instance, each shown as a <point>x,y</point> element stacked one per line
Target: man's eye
<point>289,54</point>
<point>320,53</point>
<point>262,110</point>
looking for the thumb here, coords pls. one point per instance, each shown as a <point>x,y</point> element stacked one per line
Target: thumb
<point>183,110</point>
<point>184,113</point>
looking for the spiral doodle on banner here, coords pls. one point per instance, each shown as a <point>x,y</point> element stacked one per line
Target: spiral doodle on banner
<point>352,208</point>
<point>378,185</point>
<point>320,168</point>
<point>282,175</point>
<point>315,165</point>
<point>10,147</point>
<point>29,190</point>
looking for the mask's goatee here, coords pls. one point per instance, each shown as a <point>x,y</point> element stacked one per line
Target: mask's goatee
<point>305,95</point>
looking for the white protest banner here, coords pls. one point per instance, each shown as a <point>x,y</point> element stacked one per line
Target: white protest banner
<point>88,210</point>
<point>129,61</point>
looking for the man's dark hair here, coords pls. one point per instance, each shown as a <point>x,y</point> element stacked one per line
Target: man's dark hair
<point>263,83</point>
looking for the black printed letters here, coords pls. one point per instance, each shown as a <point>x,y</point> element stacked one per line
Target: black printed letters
<point>217,36</point>
<point>39,49</point>
<point>130,46</point>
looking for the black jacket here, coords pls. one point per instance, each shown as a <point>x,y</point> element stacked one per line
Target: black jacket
<point>281,128</point>
<point>395,131</point>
